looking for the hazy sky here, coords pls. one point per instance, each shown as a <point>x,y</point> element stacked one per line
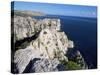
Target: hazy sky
<point>57,9</point>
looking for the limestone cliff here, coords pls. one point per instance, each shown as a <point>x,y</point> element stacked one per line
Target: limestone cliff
<point>47,44</point>
<point>28,26</point>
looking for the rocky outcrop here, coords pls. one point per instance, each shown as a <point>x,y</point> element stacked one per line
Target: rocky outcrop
<point>76,56</point>
<point>80,60</point>
<point>28,13</point>
<point>50,44</point>
<point>27,26</point>
<point>43,53</point>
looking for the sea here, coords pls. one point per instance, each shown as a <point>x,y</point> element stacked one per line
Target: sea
<point>83,31</point>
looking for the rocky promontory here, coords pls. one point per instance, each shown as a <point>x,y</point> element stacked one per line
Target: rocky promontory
<point>27,13</point>
<point>40,46</point>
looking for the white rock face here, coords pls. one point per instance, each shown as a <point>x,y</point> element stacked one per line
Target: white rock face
<point>50,44</point>
<point>70,44</point>
<point>23,56</point>
<point>27,27</point>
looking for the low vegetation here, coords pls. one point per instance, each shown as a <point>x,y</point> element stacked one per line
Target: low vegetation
<point>70,65</point>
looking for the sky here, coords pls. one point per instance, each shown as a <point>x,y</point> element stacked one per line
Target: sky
<point>57,9</point>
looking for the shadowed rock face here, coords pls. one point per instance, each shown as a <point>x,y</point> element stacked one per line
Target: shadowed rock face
<point>46,43</point>
<point>45,65</point>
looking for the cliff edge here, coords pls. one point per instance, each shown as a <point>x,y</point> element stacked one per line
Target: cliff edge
<point>40,45</point>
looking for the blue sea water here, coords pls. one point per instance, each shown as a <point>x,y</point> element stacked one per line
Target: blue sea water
<point>83,31</point>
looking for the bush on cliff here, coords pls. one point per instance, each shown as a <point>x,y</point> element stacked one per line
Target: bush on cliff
<point>70,65</point>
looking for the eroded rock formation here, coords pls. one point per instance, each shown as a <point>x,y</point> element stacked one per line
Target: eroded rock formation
<point>49,46</point>
<point>27,26</point>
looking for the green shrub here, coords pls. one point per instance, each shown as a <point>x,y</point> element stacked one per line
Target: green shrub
<point>73,66</point>
<point>70,65</point>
